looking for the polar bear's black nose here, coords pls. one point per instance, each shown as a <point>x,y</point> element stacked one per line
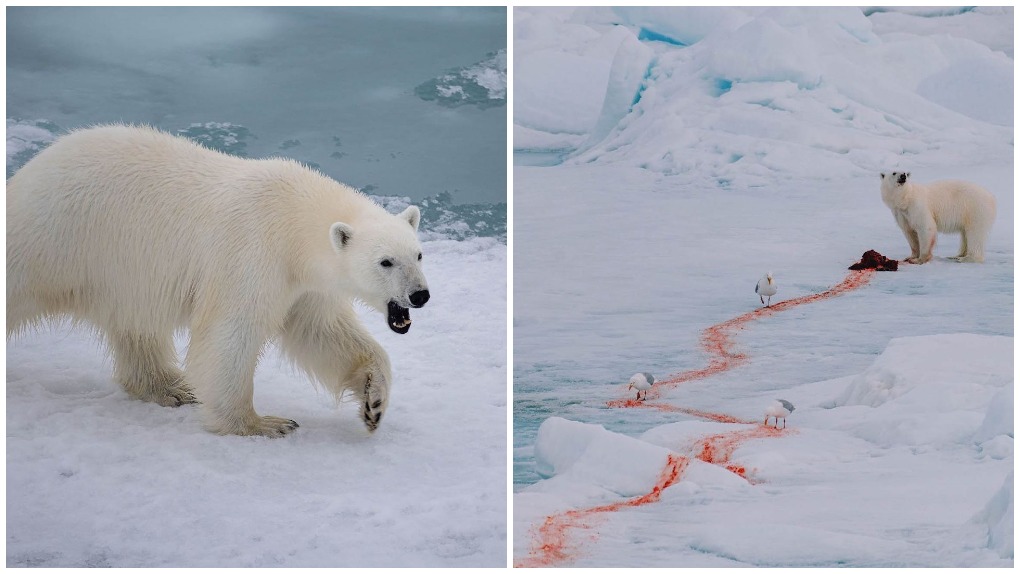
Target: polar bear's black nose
<point>903,178</point>
<point>419,298</point>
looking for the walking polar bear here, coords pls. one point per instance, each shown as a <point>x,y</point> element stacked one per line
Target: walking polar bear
<point>946,206</point>
<point>139,233</point>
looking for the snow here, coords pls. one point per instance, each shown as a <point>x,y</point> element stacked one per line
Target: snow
<point>95,478</point>
<point>754,140</point>
<point>823,89</point>
<point>935,388</point>
<point>843,489</point>
<point>998,516</point>
<point>579,453</point>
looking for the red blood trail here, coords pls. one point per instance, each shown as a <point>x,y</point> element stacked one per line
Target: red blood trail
<point>716,340</point>
<point>555,546</point>
<point>552,544</point>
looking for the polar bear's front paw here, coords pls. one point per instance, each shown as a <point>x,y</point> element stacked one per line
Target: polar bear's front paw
<point>374,404</point>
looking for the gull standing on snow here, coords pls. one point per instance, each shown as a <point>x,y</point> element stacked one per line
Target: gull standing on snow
<point>642,382</point>
<point>779,409</point>
<point>766,287</point>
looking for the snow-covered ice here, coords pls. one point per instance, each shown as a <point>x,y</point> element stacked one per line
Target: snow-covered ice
<point>754,140</point>
<point>95,478</point>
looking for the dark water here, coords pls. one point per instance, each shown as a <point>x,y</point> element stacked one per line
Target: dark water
<point>396,101</point>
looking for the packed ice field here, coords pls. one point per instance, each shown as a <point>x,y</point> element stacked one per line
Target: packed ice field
<point>666,159</point>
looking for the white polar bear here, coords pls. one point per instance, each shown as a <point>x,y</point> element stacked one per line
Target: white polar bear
<point>139,233</point>
<point>946,206</point>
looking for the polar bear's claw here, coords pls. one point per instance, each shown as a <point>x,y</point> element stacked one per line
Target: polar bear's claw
<point>177,396</point>
<point>274,427</point>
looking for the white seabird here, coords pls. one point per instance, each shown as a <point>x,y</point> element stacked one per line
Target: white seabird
<point>642,382</point>
<point>766,287</point>
<point>779,409</point>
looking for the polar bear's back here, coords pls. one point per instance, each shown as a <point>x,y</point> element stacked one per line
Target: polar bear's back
<point>957,204</point>
<point>115,216</point>
<point>123,165</point>
<point>140,219</point>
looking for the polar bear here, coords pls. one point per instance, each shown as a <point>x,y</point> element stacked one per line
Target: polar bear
<point>139,233</point>
<point>946,206</point>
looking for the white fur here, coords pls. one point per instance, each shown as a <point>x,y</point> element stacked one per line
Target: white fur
<point>946,206</point>
<point>140,233</point>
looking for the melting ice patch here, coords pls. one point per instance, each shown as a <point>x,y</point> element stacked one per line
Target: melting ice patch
<point>441,218</point>
<point>482,84</point>
<point>25,138</point>
<point>222,136</point>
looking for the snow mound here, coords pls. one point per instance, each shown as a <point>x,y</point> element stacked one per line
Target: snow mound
<point>627,73</point>
<point>680,26</point>
<point>999,417</point>
<point>953,88</point>
<point>933,390</point>
<point>998,515</point>
<point>995,436</point>
<point>591,456</point>
<point>746,96</point>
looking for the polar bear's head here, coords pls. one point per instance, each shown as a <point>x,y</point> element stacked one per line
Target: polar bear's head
<point>384,263</point>
<point>895,178</point>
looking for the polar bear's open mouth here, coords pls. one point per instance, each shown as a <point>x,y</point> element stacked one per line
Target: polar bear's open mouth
<point>398,318</point>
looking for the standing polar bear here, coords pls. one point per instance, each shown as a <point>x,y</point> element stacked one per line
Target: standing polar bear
<point>140,233</point>
<point>946,206</point>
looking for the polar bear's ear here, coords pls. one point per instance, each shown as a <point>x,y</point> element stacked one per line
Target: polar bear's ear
<point>883,176</point>
<point>339,234</point>
<point>412,216</point>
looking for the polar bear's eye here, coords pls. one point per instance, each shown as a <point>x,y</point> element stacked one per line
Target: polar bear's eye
<point>419,257</point>
<point>386,263</point>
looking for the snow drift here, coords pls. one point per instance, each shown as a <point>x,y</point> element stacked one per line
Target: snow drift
<point>822,89</point>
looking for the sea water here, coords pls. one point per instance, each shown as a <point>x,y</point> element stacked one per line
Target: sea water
<point>398,102</point>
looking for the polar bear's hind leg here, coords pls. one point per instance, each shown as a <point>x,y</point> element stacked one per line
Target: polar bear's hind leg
<point>145,365</point>
<point>975,251</point>
<point>963,245</point>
